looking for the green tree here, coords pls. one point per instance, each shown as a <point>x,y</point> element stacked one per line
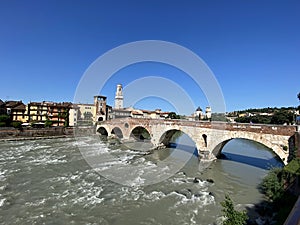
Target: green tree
<point>173,115</point>
<point>218,117</point>
<point>233,217</point>
<point>48,123</point>
<point>282,117</point>
<point>16,124</point>
<point>272,184</point>
<point>243,119</point>
<point>4,120</point>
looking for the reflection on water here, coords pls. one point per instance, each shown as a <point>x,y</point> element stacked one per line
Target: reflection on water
<point>251,153</point>
<point>48,182</point>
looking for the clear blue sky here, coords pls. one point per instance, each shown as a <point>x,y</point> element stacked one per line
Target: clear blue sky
<point>252,47</point>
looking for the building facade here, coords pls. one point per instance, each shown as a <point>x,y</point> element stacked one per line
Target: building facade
<point>208,112</point>
<point>2,107</point>
<point>73,115</point>
<point>16,110</point>
<point>120,113</point>
<point>49,113</point>
<point>82,115</point>
<point>101,109</point>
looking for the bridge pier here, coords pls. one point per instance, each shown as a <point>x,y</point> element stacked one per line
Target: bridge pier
<point>206,155</point>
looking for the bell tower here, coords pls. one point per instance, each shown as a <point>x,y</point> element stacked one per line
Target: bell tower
<point>119,97</point>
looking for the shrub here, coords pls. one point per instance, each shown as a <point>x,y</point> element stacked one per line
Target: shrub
<point>48,123</point>
<point>4,120</point>
<point>272,184</point>
<point>16,124</point>
<point>233,216</point>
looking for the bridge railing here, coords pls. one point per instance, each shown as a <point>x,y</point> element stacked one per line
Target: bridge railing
<point>231,126</point>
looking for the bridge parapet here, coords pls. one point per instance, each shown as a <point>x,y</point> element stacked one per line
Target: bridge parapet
<point>263,128</point>
<point>287,130</point>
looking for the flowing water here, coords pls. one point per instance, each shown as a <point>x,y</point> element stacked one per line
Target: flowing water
<point>49,182</point>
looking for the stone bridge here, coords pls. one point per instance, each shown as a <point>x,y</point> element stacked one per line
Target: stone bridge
<point>209,137</point>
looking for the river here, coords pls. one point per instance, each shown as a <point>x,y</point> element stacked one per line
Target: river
<point>49,182</point>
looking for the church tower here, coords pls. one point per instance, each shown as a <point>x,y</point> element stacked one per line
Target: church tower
<point>119,97</point>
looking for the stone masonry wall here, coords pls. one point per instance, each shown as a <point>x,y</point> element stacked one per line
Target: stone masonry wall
<point>275,137</point>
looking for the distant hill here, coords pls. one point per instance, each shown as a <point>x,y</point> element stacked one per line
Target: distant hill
<point>283,115</point>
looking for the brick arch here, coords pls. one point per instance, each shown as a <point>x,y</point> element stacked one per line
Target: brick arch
<point>103,130</point>
<point>141,126</point>
<point>166,136</point>
<point>278,150</point>
<point>117,131</point>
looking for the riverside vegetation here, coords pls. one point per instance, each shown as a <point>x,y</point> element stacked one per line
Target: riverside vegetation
<point>233,216</point>
<point>280,187</point>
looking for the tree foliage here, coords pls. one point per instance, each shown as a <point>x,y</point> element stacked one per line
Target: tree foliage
<point>16,124</point>
<point>4,120</point>
<point>48,123</point>
<point>276,187</point>
<point>254,119</point>
<point>280,116</point>
<point>293,167</point>
<point>173,115</point>
<point>272,184</point>
<point>233,217</point>
<point>218,117</point>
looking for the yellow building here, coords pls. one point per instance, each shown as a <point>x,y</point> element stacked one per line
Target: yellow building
<point>49,113</point>
<point>16,110</point>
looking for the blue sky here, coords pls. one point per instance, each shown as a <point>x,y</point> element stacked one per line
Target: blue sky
<point>252,47</point>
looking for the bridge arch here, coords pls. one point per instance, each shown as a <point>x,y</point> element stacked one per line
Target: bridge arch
<point>118,132</point>
<point>166,137</point>
<point>171,134</point>
<point>102,130</point>
<point>140,132</point>
<point>278,150</point>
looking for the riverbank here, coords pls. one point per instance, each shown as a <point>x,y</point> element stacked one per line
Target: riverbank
<point>13,134</point>
<point>32,138</point>
<point>280,188</point>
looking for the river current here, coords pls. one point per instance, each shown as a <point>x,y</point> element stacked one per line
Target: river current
<point>49,182</point>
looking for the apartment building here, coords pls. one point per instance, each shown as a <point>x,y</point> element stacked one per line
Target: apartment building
<point>16,110</point>
<point>55,114</point>
<point>82,115</point>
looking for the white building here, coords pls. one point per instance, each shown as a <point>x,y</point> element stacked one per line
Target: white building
<point>198,115</point>
<point>82,115</point>
<point>208,112</point>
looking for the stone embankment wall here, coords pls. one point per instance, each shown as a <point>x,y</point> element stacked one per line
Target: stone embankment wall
<point>12,133</point>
